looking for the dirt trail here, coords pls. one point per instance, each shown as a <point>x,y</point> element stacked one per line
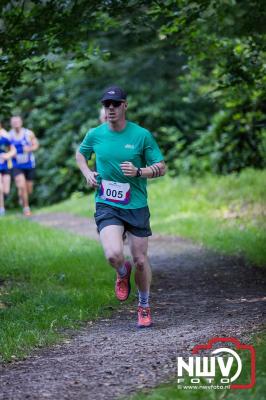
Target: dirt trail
<point>196,294</point>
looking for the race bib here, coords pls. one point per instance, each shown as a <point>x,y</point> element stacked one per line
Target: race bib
<point>115,192</point>
<point>2,161</point>
<point>22,158</point>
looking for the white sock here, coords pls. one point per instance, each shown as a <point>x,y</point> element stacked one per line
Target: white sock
<point>143,298</point>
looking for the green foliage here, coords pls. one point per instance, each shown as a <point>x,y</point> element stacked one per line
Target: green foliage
<point>194,71</point>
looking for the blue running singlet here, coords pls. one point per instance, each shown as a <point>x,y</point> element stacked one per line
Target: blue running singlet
<point>22,160</point>
<point>5,144</point>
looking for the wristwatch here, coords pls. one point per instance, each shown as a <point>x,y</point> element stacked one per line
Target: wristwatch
<point>139,172</point>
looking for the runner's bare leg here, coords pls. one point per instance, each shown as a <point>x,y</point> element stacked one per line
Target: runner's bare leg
<point>6,183</point>
<point>112,241</point>
<point>29,185</point>
<point>22,190</point>
<point>1,192</point>
<point>139,250</point>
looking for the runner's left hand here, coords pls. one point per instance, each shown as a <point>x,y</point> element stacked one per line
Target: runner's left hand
<point>4,156</point>
<point>128,168</point>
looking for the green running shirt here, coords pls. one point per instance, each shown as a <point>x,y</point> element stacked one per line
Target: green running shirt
<point>134,144</point>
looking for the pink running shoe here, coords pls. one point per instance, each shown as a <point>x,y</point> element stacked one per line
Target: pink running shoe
<point>26,212</point>
<point>122,285</point>
<point>144,317</point>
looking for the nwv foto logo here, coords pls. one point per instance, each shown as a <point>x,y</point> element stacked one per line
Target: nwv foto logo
<point>215,364</point>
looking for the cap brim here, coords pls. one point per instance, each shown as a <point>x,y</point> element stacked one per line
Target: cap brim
<point>110,97</point>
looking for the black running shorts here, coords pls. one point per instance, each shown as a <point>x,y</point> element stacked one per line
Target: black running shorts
<point>29,173</point>
<point>135,221</point>
<point>5,172</point>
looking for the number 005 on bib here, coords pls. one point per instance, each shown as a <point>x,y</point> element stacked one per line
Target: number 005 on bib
<point>115,192</point>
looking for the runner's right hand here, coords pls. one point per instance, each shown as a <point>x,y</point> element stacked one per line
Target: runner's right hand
<point>27,149</point>
<point>91,179</point>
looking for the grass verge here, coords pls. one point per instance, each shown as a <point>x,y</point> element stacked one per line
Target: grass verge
<point>49,281</point>
<point>77,204</point>
<point>226,213</point>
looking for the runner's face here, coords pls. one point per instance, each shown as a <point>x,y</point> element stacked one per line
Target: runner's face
<point>16,122</point>
<point>116,114</point>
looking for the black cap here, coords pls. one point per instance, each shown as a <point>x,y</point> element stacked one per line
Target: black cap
<point>113,93</point>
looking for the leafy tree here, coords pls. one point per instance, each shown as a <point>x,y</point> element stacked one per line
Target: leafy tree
<point>194,71</point>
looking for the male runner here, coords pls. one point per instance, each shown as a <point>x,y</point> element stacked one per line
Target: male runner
<point>126,155</point>
<point>7,151</point>
<point>25,143</point>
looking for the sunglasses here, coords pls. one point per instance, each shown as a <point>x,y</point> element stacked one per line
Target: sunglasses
<point>115,103</point>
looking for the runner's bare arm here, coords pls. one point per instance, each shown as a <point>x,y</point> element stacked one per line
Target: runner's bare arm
<point>34,144</point>
<point>10,153</point>
<point>89,175</point>
<point>153,171</point>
